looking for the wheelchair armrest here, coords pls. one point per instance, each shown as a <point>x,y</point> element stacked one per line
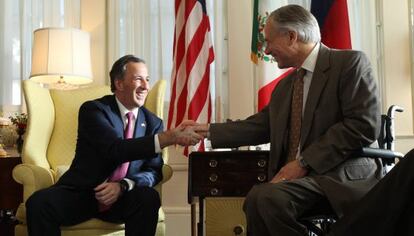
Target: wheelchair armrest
<point>380,153</point>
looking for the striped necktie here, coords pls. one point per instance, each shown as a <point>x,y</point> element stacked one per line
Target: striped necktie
<point>296,115</point>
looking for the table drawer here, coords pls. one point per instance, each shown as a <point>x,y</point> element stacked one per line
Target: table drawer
<point>232,173</point>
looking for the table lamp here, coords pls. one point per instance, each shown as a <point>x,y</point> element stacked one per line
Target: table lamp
<point>61,57</point>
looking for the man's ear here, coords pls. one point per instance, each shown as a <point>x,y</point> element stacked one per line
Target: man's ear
<point>293,37</point>
<point>119,85</point>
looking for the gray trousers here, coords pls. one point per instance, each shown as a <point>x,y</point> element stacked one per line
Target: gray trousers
<point>274,209</point>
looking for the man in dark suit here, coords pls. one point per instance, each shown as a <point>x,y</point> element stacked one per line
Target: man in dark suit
<point>387,209</point>
<point>317,117</point>
<point>89,189</point>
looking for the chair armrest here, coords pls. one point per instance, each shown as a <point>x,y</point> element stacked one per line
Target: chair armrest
<point>32,178</point>
<point>380,153</point>
<point>166,173</point>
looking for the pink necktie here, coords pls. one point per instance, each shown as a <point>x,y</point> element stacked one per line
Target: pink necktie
<point>121,171</point>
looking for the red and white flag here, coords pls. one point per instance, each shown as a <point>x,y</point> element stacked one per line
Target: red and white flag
<point>192,56</point>
<point>268,73</point>
<point>333,19</point>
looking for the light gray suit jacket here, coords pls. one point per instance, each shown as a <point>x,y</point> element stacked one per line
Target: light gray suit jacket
<point>342,114</point>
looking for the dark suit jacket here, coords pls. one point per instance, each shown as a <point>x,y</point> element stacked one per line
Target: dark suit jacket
<point>101,146</point>
<point>387,209</point>
<point>342,114</point>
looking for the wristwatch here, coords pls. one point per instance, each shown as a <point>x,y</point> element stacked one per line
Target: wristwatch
<point>303,163</point>
<point>124,186</point>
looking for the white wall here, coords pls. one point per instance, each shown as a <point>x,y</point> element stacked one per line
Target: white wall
<point>397,71</point>
<point>93,20</point>
<point>241,82</point>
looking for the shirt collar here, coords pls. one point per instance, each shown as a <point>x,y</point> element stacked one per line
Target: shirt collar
<point>310,61</point>
<point>123,110</point>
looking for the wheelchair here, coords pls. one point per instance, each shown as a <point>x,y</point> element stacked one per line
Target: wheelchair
<point>317,221</point>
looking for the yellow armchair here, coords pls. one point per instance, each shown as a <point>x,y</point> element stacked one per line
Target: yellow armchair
<point>50,142</point>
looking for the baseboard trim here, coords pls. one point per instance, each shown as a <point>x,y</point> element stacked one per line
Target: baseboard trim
<point>177,210</point>
<point>179,167</point>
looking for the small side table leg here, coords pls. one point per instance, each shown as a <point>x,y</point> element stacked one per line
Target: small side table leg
<point>201,216</point>
<point>193,219</point>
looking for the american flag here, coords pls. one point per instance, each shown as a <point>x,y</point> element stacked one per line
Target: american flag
<point>192,55</point>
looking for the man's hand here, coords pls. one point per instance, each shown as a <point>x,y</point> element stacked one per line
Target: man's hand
<point>183,135</point>
<point>108,192</point>
<point>291,170</point>
<point>202,129</point>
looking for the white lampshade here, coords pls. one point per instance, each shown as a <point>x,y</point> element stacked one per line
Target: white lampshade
<point>61,55</point>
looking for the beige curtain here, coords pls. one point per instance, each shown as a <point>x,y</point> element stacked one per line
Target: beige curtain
<point>17,22</point>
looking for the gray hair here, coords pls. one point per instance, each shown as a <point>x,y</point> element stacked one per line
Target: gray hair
<point>298,19</point>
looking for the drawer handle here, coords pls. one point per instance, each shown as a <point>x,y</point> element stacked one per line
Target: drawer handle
<point>261,177</point>
<point>214,191</point>
<point>261,163</point>
<point>238,230</point>
<point>213,163</point>
<point>213,177</point>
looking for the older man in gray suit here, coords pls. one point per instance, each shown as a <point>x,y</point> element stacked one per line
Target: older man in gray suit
<point>311,154</point>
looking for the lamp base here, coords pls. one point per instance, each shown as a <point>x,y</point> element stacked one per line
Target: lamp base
<point>61,86</point>
<point>3,152</point>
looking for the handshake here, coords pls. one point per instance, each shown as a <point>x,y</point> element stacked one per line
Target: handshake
<point>186,134</point>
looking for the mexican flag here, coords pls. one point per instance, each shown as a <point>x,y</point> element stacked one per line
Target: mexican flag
<point>268,73</point>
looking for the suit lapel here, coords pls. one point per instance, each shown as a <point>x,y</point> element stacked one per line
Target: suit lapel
<point>281,111</point>
<point>141,124</point>
<point>115,117</point>
<point>319,79</point>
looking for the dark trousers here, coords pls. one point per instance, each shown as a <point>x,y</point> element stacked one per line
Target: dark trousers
<point>274,209</point>
<point>387,209</point>
<point>50,208</point>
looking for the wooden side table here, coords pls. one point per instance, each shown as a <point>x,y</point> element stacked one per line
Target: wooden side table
<point>11,193</point>
<point>224,179</point>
